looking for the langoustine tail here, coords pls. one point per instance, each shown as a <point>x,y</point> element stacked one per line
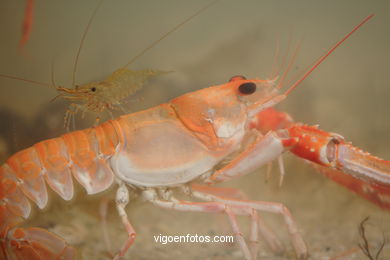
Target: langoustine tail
<point>37,243</point>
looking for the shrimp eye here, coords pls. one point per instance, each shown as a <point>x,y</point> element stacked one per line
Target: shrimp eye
<point>247,88</point>
<point>93,89</point>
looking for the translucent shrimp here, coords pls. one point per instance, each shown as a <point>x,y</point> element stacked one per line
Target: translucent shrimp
<point>105,95</point>
<point>110,93</point>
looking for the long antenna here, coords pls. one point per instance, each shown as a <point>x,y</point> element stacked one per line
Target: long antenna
<point>289,66</point>
<point>82,42</point>
<point>27,80</point>
<point>321,59</point>
<point>169,32</point>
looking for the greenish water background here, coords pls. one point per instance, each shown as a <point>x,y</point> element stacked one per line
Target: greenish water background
<point>348,94</point>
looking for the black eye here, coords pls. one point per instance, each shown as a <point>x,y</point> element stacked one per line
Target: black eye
<point>247,88</point>
<point>93,89</point>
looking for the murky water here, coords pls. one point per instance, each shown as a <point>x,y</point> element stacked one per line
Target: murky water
<point>348,94</point>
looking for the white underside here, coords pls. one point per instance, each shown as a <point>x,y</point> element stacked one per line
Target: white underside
<point>129,173</point>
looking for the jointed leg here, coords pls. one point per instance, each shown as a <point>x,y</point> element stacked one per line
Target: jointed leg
<point>272,207</point>
<point>219,191</point>
<point>281,169</point>
<point>238,234</point>
<point>234,207</point>
<point>70,116</point>
<point>253,236</point>
<point>122,198</point>
<point>263,150</point>
<point>257,223</point>
<point>210,207</point>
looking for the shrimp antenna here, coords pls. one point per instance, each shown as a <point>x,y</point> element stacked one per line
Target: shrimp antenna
<point>289,66</point>
<point>286,54</point>
<point>82,42</point>
<point>169,32</point>
<point>322,58</point>
<point>27,80</point>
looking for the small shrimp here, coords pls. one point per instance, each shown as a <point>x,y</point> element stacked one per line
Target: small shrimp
<point>107,95</point>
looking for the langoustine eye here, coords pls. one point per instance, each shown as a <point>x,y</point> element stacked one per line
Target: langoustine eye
<point>247,88</point>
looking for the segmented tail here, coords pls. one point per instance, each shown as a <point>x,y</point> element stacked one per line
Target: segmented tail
<point>24,175</point>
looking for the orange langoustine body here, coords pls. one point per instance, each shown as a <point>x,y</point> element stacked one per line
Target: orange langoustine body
<point>212,137</point>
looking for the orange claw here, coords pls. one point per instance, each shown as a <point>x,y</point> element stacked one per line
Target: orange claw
<point>374,192</point>
<point>367,175</point>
